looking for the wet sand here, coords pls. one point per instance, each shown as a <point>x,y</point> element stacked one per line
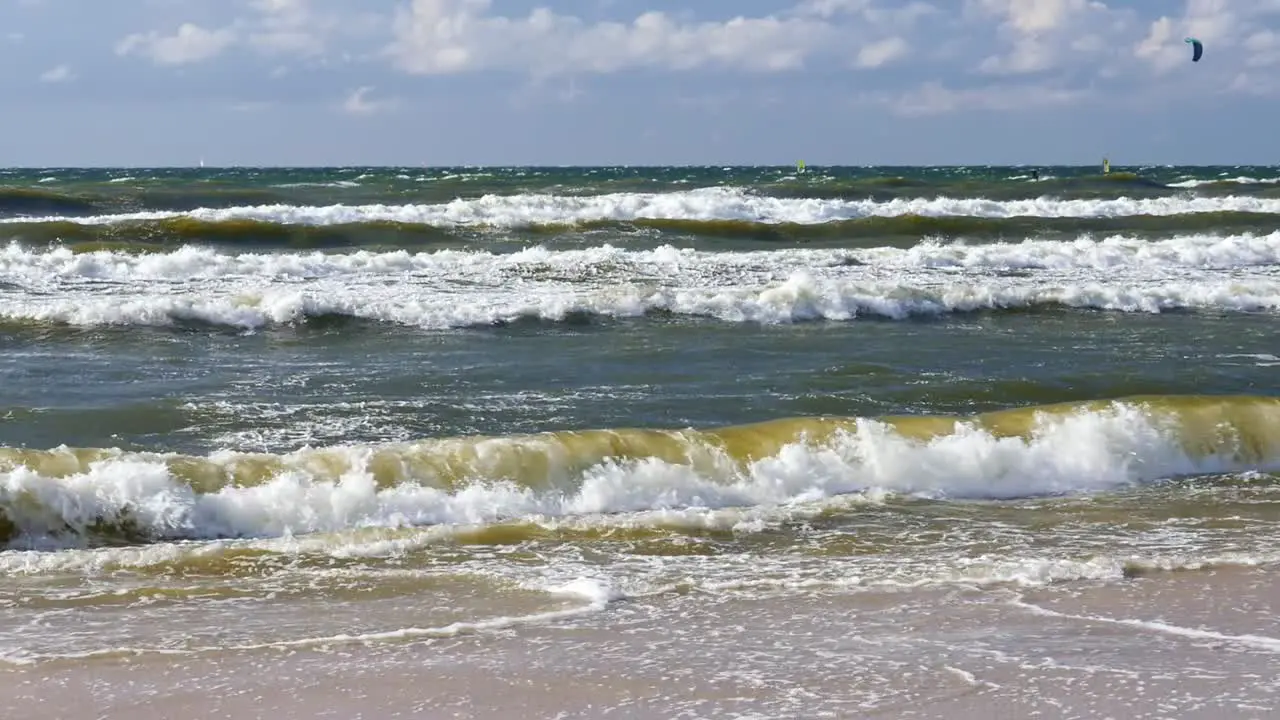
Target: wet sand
<point>1198,644</point>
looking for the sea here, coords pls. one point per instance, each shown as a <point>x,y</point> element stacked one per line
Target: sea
<point>640,442</point>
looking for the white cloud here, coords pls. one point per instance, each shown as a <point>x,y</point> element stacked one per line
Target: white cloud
<point>1264,49</point>
<point>191,43</point>
<point>282,8</point>
<point>1049,35</point>
<point>1232,32</point>
<point>1156,47</point>
<point>61,73</point>
<point>272,28</point>
<point>1091,40</point>
<point>899,17</point>
<point>435,37</point>
<point>831,8</point>
<point>883,52</point>
<point>1254,84</point>
<point>358,103</point>
<point>289,27</point>
<point>1035,16</point>
<point>1067,46</point>
<point>934,98</point>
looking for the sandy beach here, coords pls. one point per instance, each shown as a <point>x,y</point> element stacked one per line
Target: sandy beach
<point>1191,644</point>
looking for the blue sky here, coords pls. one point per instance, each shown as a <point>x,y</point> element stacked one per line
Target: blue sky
<point>410,82</point>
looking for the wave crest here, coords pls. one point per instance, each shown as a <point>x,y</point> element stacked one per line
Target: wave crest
<point>90,495</point>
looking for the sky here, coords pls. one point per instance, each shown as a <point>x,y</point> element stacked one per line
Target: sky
<point>637,82</point>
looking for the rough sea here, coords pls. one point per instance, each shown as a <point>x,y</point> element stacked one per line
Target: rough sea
<point>640,442</point>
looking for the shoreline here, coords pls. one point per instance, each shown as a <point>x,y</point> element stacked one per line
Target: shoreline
<point>1160,645</point>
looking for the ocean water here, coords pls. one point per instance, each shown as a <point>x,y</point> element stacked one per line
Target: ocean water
<point>640,442</point>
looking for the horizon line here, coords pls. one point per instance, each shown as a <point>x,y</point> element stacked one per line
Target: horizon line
<point>807,164</point>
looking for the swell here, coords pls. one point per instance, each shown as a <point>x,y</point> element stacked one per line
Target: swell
<point>144,235</point>
<point>80,194</point>
<point>912,228</point>
<point>998,186</point>
<point>105,495</point>
<point>894,231</point>
<point>18,201</point>
<point>93,199</point>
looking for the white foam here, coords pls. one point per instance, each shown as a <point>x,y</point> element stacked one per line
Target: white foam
<point>1086,452</point>
<point>596,594</point>
<point>1241,180</point>
<point>1257,642</point>
<point>447,289</point>
<point>800,297</point>
<point>712,203</point>
<point>333,184</point>
<point>34,267</point>
<point>1116,251</point>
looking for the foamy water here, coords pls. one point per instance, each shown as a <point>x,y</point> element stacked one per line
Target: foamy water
<point>701,204</point>
<point>447,288</point>
<point>1089,452</point>
<point>1238,180</point>
<point>322,525</point>
<point>1205,251</point>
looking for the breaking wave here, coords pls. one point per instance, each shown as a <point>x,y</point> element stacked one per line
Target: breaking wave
<point>86,495</point>
<point>706,204</point>
<point>465,288</point>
